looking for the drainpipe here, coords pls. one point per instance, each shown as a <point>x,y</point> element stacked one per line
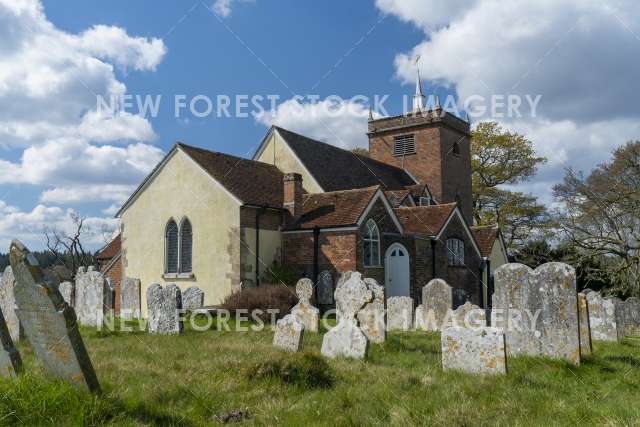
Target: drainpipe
<point>433,257</point>
<point>489,283</point>
<point>316,244</point>
<point>259,212</point>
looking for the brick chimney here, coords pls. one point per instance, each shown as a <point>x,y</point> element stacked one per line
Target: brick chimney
<point>293,194</point>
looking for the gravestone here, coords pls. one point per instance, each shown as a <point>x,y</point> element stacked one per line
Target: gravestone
<point>585,330</point>
<point>602,317</point>
<point>468,315</point>
<point>630,309</point>
<point>371,317</point>
<point>67,291</point>
<point>538,310</point>
<point>475,351</point>
<point>8,304</point>
<point>93,297</point>
<point>10,361</point>
<point>49,323</point>
<point>288,334</point>
<point>193,298</point>
<point>306,314</point>
<point>325,288</point>
<point>437,302</point>
<point>399,314</point>
<point>130,298</point>
<point>163,307</point>
<point>346,339</point>
<point>110,300</point>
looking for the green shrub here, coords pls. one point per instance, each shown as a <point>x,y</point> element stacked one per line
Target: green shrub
<point>303,370</point>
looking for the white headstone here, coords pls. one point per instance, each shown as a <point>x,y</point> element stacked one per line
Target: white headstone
<point>399,314</point>
<point>93,296</point>
<point>192,298</point>
<point>304,312</point>
<point>371,318</point>
<point>437,303</point>
<point>288,333</point>
<point>602,317</point>
<point>475,351</point>
<point>130,298</point>
<point>67,291</point>
<point>163,306</point>
<point>8,304</point>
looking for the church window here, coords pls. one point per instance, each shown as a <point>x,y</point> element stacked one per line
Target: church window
<point>456,148</point>
<point>185,246</point>
<point>425,200</point>
<point>404,144</point>
<point>171,247</point>
<point>371,245</point>
<point>455,251</point>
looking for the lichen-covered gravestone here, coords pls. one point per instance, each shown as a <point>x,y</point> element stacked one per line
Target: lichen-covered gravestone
<point>538,310</point>
<point>399,314</point>
<point>8,304</point>
<point>468,315</point>
<point>602,317</point>
<point>371,317</point>
<point>163,306</point>
<point>10,361</point>
<point>67,291</point>
<point>476,351</point>
<point>630,314</point>
<point>93,296</point>
<point>306,313</point>
<point>585,330</point>
<point>130,298</point>
<point>288,334</point>
<point>49,323</point>
<point>192,298</point>
<point>325,288</point>
<point>346,339</point>
<point>437,302</point>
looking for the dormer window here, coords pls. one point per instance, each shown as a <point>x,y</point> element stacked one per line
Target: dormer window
<point>425,200</point>
<point>404,145</point>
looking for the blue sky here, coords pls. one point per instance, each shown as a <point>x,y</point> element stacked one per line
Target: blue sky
<point>59,155</point>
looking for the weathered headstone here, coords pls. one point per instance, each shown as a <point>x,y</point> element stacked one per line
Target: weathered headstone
<point>399,314</point>
<point>476,351</point>
<point>371,317</point>
<point>163,307</point>
<point>93,296</point>
<point>602,317</point>
<point>49,323</point>
<point>346,339</point>
<point>325,288</point>
<point>130,298</point>
<point>437,302</point>
<point>288,333</point>
<point>630,313</point>
<point>468,315</point>
<point>10,361</point>
<point>538,310</point>
<point>193,298</point>
<point>8,304</point>
<point>585,330</point>
<point>67,291</point>
<point>306,313</point>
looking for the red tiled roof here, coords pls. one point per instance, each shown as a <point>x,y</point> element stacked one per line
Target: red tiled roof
<point>485,236</point>
<point>110,250</point>
<point>424,220</point>
<point>334,209</point>
<point>396,197</point>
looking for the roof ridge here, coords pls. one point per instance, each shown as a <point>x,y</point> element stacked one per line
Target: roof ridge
<point>233,156</point>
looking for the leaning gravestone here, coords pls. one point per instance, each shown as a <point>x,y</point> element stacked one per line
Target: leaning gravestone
<point>585,330</point>
<point>93,296</point>
<point>346,339</point>
<point>10,361</point>
<point>193,298</point>
<point>602,317</point>
<point>538,310</point>
<point>8,304</point>
<point>468,315</point>
<point>163,306</point>
<point>49,323</point>
<point>130,298</point>
<point>306,313</point>
<point>630,309</point>
<point>67,291</point>
<point>325,288</point>
<point>371,317</point>
<point>288,333</point>
<point>437,302</point>
<point>476,351</point>
<point>399,314</point>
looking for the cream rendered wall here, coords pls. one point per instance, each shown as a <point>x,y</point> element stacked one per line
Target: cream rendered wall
<point>180,189</point>
<point>277,153</point>
<point>270,247</point>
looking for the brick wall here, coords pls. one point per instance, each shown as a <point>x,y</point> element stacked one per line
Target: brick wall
<point>336,252</point>
<point>114,273</point>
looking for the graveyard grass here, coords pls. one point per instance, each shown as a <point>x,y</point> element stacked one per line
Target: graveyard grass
<point>203,378</point>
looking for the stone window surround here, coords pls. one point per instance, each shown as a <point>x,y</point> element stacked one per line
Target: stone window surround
<point>373,239</point>
<point>178,274</point>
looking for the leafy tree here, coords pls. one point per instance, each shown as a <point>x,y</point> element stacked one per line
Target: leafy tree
<point>360,151</point>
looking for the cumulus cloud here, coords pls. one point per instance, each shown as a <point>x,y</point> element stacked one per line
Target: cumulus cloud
<point>224,7</point>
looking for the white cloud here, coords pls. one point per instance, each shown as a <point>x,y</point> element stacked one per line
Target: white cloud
<point>224,7</point>
<point>77,194</point>
<point>339,122</point>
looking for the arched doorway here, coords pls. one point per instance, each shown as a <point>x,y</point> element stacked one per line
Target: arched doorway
<point>396,263</point>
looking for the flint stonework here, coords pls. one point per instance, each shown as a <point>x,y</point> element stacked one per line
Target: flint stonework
<point>130,298</point>
<point>585,330</point>
<point>8,304</point>
<point>346,339</point>
<point>49,323</point>
<point>325,288</point>
<point>193,298</point>
<point>306,313</point>
<point>163,306</point>
<point>399,314</point>
<point>10,361</point>
<point>371,318</point>
<point>602,317</point>
<point>93,298</point>
<point>288,334</point>
<point>67,291</point>
<point>437,302</point>
<point>475,351</point>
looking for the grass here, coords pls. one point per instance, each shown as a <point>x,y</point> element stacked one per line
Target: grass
<point>204,378</point>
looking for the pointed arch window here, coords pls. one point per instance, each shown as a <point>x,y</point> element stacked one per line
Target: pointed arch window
<point>186,241</point>
<point>371,244</point>
<point>455,252</point>
<point>171,247</point>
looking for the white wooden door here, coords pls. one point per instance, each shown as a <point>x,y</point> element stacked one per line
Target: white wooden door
<point>397,271</point>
